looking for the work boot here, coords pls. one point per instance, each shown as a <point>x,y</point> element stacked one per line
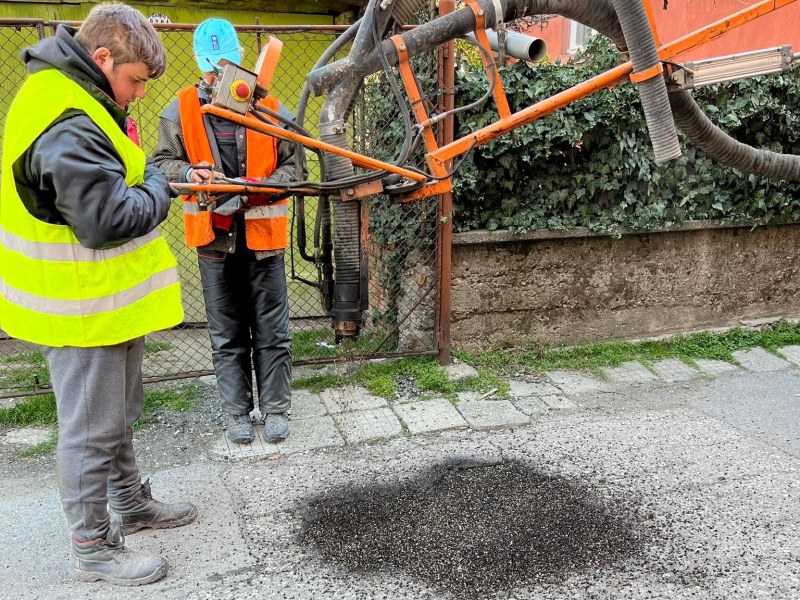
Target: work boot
<point>276,427</point>
<point>240,429</point>
<point>142,512</point>
<point>109,560</point>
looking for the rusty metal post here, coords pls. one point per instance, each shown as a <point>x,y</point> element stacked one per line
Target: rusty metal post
<point>447,71</point>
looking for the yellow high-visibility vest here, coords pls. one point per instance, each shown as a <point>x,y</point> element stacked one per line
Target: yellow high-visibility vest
<point>53,291</point>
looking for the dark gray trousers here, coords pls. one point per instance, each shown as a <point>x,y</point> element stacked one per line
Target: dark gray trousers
<point>98,397</point>
<point>248,324</point>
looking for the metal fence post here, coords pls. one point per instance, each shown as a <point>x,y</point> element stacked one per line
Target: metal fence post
<point>445,210</point>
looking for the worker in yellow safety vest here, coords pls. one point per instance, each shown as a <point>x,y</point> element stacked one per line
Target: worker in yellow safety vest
<point>241,246</point>
<point>85,273</point>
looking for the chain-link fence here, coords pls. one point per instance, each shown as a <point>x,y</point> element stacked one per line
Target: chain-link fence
<point>399,242</point>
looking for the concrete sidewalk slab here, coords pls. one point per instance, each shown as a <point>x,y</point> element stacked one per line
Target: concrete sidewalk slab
<point>313,433</point>
<point>672,369</point>
<point>629,373</point>
<point>306,404</point>
<point>574,383</point>
<point>532,407</point>
<point>519,388</point>
<point>791,353</point>
<point>494,414</point>
<point>760,361</point>
<point>350,398</point>
<point>429,416</point>
<point>367,425</point>
<point>558,402</point>
<point>714,367</point>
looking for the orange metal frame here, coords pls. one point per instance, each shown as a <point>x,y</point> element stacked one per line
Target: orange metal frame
<point>438,157</point>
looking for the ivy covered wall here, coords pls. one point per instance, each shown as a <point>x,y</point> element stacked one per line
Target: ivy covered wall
<point>591,164</point>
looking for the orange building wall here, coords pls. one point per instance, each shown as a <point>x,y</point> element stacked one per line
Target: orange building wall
<point>684,16</point>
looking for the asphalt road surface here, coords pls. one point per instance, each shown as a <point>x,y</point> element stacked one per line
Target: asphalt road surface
<point>682,490</point>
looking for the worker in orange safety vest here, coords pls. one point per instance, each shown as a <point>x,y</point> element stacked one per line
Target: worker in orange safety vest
<point>240,249</point>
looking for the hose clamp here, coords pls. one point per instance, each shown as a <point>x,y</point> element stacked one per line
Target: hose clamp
<point>654,71</point>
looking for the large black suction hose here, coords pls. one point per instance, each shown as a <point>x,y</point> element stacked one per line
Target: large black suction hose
<point>346,301</point>
<point>653,91</point>
<point>723,148</point>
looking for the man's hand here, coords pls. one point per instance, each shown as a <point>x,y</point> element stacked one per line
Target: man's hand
<point>202,172</point>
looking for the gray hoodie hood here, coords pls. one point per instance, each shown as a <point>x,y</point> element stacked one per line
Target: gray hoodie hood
<point>64,53</point>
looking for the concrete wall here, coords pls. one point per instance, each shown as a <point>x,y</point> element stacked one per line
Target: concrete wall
<point>573,287</point>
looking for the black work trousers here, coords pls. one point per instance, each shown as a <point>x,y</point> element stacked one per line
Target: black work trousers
<point>248,324</point>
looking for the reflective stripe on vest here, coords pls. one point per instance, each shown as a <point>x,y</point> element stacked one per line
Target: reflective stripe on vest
<point>265,232</point>
<point>53,291</point>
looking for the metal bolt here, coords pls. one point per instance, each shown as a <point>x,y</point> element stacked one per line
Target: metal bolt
<point>480,12</point>
<point>350,191</point>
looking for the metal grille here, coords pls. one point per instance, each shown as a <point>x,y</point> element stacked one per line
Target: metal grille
<point>400,247</point>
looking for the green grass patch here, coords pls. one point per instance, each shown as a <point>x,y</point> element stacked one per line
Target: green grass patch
<point>153,347</point>
<point>35,410</point>
<point>314,343</point>
<point>688,348</point>
<point>44,449</point>
<point>41,410</point>
<point>317,383</point>
<point>28,371</point>
<point>380,378</point>
<point>177,399</point>
<point>320,343</point>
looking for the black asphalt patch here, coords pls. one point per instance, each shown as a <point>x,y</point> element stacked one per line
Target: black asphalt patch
<point>474,529</point>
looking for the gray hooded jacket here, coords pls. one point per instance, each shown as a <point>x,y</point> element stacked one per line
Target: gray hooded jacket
<point>72,174</point>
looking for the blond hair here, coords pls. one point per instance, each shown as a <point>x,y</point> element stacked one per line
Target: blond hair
<point>126,33</point>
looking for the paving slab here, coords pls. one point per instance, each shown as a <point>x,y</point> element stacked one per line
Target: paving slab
<point>307,404</point>
<point>713,367</point>
<point>428,416</point>
<point>558,402</point>
<point>672,369</point>
<point>760,361</point>
<point>313,433</point>
<point>368,425</point>
<point>532,407</point>
<point>258,448</point>
<point>574,382</point>
<point>519,388</point>
<point>629,373</point>
<point>791,353</point>
<point>350,398</point>
<point>493,414</point>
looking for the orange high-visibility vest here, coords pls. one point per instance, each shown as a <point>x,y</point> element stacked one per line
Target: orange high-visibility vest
<point>266,226</point>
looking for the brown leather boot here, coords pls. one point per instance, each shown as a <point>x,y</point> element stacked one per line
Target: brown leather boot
<point>142,512</point>
<point>109,560</point>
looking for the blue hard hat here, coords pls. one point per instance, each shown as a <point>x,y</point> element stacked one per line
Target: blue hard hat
<point>215,39</point>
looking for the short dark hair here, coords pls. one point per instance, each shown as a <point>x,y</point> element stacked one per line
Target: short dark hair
<point>125,31</point>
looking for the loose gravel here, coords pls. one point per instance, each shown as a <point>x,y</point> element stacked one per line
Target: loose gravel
<point>473,529</point>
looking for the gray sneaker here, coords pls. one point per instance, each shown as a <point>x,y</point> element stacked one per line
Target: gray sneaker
<point>240,429</point>
<point>276,427</point>
<point>109,560</point>
<point>142,512</point>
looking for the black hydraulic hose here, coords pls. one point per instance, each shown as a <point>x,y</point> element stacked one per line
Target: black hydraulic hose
<point>300,214</point>
<point>723,148</point>
<point>305,93</point>
<point>653,91</point>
